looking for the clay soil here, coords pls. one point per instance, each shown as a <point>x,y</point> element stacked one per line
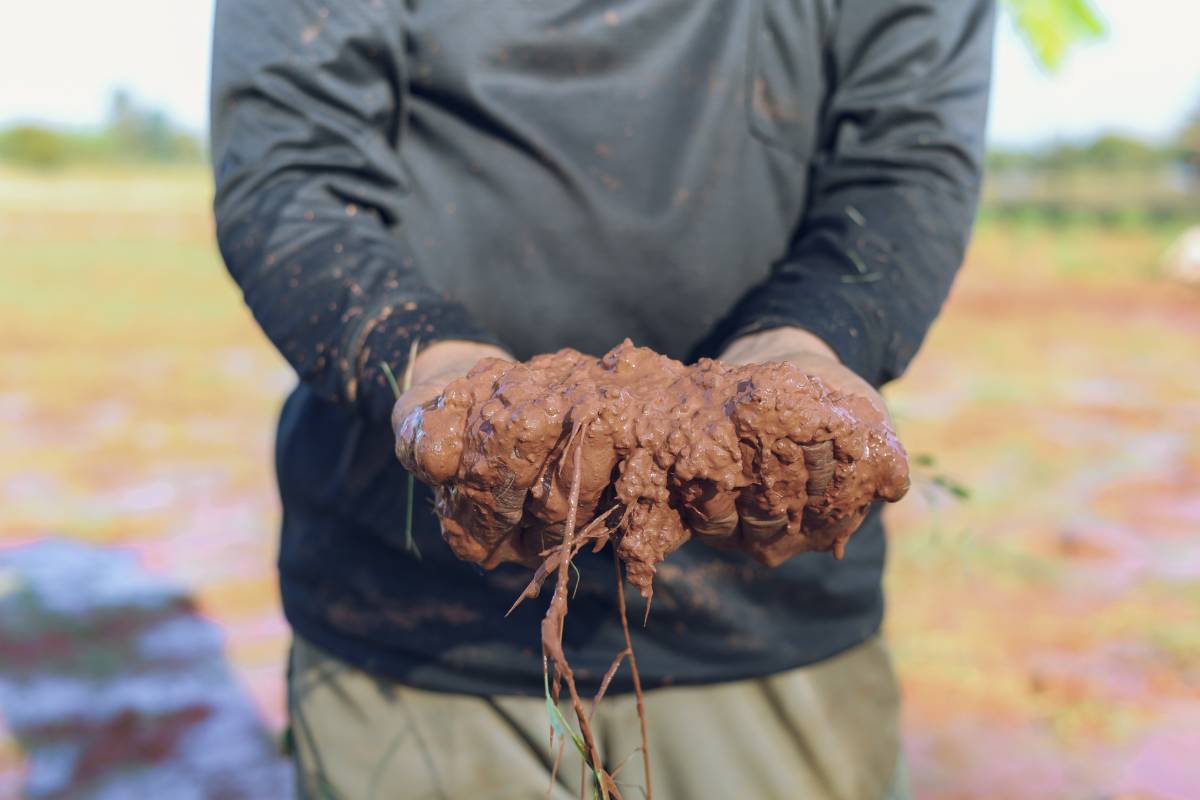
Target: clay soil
<point>531,462</point>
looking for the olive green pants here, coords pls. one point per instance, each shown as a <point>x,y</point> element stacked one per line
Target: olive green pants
<point>824,731</point>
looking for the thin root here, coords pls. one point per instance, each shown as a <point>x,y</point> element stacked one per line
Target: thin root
<point>633,669</point>
<point>552,631</point>
<point>553,558</point>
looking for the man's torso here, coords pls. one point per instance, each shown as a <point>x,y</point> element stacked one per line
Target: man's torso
<point>577,173</point>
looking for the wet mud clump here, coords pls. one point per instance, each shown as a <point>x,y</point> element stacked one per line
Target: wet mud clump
<point>531,462</point>
<point>759,457</point>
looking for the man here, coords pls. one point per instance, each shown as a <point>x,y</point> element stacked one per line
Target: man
<point>756,181</point>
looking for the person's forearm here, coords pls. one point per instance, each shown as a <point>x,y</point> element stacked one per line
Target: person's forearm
<point>894,189</point>
<point>308,189</point>
<point>341,303</point>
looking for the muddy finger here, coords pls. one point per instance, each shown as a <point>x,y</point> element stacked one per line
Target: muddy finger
<point>820,464</point>
<point>490,519</point>
<point>710,512</point>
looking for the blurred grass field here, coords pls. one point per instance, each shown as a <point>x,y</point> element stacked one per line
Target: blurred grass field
<point>1045,627</point>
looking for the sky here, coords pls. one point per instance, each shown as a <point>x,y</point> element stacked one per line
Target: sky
<point>60,61</point>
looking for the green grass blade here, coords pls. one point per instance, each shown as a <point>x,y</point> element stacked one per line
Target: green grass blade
<point>564,729</point>
<point>410,544</point>
<point>559,722</point>
<point>391,378</point>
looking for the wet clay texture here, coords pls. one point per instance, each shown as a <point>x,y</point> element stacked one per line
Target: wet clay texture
<point>760,457</point>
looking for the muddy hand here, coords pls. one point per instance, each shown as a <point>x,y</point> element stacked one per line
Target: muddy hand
<point>430,459</point>
<point>481,504</point>
<point>805,505</point>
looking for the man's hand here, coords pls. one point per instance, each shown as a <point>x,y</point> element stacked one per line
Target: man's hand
<point>477,531</point>
<point>435,367</point>
<point>798,496</point>
<point>746,527</point>
<point>808,353</point>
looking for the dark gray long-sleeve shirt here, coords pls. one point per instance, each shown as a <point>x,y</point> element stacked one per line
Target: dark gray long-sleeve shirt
<point>570,173</point>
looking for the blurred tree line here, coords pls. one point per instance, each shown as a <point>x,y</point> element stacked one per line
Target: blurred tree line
<point>1189,142</point>
<point>1112,179</point>
<point>132,133</point>
<point>1109,151</point>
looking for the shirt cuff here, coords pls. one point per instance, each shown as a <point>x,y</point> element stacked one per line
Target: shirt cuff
<point>823,309</point>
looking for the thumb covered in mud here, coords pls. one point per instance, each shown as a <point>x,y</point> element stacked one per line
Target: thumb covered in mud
<point>428,416</point>
<point>406,425</point>
<point>429,440</point>
<point>428,434</point>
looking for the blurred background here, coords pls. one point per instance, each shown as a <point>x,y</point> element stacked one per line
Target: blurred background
<point>1045,575</point>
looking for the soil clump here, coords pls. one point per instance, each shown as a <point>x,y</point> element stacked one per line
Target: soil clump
<point>531,462</point>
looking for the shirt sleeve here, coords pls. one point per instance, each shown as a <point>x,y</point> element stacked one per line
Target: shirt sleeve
<point>894,187</point>
<point>306,120</point>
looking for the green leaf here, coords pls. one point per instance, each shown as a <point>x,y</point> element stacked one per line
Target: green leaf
<point>559,722</point>
<point>952,486</point>
<point>564,729</point>
<point>869,277</point>
<point>1052,27</point>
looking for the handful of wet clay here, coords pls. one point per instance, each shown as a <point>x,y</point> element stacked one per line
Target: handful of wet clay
<point>531,462</point>
<point>637,448</point>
